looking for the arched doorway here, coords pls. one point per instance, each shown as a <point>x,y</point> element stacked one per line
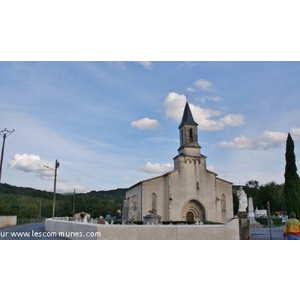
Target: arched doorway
<point>190,217</point>
<point>193,211</point>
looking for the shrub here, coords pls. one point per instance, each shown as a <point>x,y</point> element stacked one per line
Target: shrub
<point>277,221</point>
<point>265,222</point>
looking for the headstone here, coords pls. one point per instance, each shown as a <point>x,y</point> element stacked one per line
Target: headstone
<point>250,209</point>
<point>251,214</point>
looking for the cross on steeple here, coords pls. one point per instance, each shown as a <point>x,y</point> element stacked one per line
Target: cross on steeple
<point>186,96</point>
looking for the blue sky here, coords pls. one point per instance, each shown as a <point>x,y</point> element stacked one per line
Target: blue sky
<point>112,124</point>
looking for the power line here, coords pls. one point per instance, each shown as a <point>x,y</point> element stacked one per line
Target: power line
<point>22,144</point>
<point>88,175</point>
<point>19,140</point>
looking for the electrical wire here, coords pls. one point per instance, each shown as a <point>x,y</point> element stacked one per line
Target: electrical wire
<point>23,146</point>
<point>87,174</point>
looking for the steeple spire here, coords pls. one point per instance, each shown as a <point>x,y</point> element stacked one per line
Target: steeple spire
<point>188,134</point>
<point>187,118</point>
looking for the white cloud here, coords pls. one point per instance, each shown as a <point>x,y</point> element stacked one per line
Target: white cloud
<point>146,123</point>
<point>191,90</point>
<point>188,64</point>
<point>175,103</point>
<point>232,120</point>
<point>267,140</point>
<point>120,64</point>
<point>146,64</point>
<point>203,99</point>
<point>205,85</point>
<point>157,168</point>
<point>295,132</point>
<point>33,164</point>
<point>67,187</point>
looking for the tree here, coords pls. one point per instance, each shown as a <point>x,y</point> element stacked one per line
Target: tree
<point>235,202</point>
<point>292,183</point>
<point>251,188</point>
<point>252,184</point>
<point>273,193</point>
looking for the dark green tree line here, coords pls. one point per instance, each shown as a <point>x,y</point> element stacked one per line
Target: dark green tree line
<point>30,203</point>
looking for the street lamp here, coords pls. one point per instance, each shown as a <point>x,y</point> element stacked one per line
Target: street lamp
<point>54,193</point>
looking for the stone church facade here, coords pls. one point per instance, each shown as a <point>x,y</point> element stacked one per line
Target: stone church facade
<point>188,193</point>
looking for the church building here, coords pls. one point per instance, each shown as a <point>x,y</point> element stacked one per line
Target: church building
<point>188,193</point>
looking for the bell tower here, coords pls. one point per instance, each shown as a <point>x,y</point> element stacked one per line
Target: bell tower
<point>188,133</point>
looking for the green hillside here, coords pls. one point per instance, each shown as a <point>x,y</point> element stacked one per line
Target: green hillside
<point>32,203</point>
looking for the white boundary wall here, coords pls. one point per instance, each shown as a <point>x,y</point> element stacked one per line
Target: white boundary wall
<point>87,231</point>
<point>6,221</point>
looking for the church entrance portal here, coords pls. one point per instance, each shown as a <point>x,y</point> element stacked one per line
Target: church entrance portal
<point>193,211</point>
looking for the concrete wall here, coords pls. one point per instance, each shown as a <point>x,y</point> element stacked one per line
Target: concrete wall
<point>6,221</point>
<point>86,231</point>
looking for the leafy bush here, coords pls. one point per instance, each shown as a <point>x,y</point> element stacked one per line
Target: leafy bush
<point>277,221</point>
<point>274,221</point>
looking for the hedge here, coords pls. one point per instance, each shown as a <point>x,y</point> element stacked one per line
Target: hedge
<point>274,221</point>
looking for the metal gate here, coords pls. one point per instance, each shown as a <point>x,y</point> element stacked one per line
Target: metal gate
<point>266,232</point>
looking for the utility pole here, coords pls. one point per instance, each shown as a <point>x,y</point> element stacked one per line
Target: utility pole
<point>74,203</point>
<point>54,193</point>
<point>40,209</point>
<point>4,133</point>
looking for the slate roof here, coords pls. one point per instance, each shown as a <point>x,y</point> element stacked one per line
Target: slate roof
<point>187,118</point>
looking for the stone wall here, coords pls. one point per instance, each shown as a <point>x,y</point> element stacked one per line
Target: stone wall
<point>6,221</point>
<point>87,231</point>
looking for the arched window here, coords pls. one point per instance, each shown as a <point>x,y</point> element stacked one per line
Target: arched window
<point>191,135</point>
<point>181,137</point>
<point>154,203</point>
